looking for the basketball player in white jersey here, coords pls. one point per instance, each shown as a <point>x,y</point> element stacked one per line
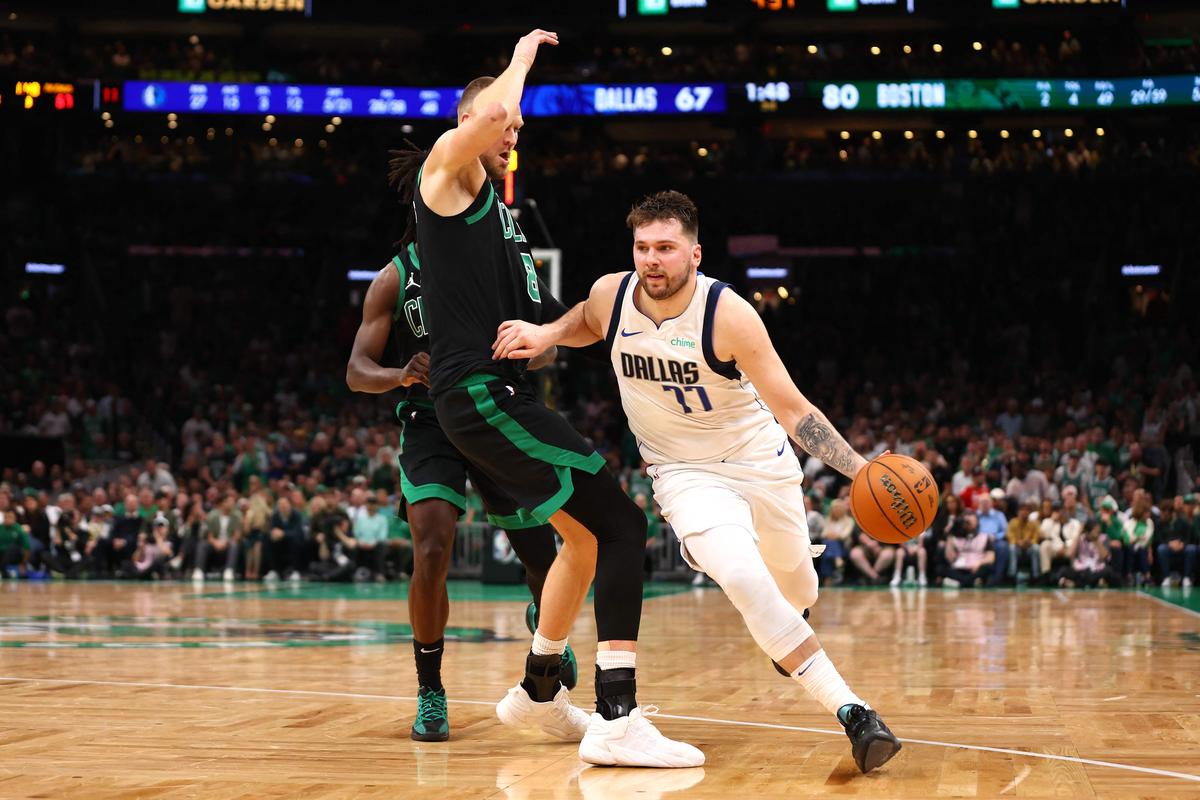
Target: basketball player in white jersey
<point>712,407</point>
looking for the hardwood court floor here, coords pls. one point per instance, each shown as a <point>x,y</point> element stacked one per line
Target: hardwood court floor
<point>121,691</point>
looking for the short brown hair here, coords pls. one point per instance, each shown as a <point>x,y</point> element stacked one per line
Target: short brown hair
<point>665,206</point>
<point>473,88</point>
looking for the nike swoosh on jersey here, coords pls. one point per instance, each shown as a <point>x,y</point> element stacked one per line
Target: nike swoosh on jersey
<point>635,333</point>
<point>782,447</point>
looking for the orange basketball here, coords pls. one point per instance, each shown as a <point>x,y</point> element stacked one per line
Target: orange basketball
<point>894,498</point>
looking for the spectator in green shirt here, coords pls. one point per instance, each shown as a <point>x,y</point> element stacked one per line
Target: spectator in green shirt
<point>14,546</point>
<point>1102,485</point>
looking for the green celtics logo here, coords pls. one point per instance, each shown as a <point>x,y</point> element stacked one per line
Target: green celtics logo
<point>175,632</point>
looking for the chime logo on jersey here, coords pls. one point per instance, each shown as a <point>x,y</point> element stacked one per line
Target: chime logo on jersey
<point>659,370</point>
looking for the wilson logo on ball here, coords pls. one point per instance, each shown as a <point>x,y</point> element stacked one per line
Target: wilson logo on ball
<point>904,513</point>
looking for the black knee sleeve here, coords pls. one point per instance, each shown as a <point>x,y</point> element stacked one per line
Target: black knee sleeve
<point>535,547</point>
<point>620,530</point>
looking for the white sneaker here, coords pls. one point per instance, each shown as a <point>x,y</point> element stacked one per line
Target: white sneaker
<point>271,577</point>
<point>198,575</point>
<point>922,580</point>
<point>1166,584</point>
<point>227,575</point>
<point>895,581</point>
<point>556,717</point>
<point>699,579</point>
<point>633,741</point>
<point>294,577</point>
<point>950,583</point>
<point>1187,583</point>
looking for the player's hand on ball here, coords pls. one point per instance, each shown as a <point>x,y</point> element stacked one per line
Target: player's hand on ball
<point>519,339</point>
<point>527,48</point>
<point>416,370</point>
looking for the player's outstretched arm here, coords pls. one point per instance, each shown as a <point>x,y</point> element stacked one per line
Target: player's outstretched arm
<point>579,327</point>
<point>364,372</point>
<point>493,110</point>
<point>739,335</point>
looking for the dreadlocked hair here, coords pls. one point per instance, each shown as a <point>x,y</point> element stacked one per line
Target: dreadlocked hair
<point>403,166</point>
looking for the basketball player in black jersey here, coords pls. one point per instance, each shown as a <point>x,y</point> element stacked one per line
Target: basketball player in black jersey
<point>479,271</point>
<point>432,477</point>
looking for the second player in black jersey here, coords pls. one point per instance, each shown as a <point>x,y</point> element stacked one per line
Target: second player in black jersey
<point>433,477</point>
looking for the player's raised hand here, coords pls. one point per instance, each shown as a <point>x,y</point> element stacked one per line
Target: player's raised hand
<point>517,338</point>
<point>528,46</point>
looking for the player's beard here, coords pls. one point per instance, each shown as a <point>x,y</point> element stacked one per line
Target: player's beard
<point>668,291</point>
<point>494,172</point>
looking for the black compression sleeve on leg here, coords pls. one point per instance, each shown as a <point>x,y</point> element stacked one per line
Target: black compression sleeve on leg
<point>535,548</point>
<point>620,530</point>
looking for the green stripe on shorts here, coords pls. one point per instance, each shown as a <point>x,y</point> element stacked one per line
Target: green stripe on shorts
<point>525,441</point>
<point>427,491</point>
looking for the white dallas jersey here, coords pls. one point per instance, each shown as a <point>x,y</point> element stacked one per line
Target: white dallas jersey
<point>683,405</point>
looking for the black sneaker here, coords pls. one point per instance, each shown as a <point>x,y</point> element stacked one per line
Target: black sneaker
<point>873,744</point>
<point>568,672</point>
<point>432,723</point>
<point>775,663</point>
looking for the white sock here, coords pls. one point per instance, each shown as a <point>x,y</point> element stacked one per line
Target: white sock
<point>616,659</point>
<point>548,647</point>
<point>821,679</point>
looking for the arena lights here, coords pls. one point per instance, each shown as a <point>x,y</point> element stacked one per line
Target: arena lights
<point>1068,133</point>
<point>1036,133</point>
<point>877,135</point>
<point>977,46</point>
<point>937,48</point>
<point>812,49</point>
<point>940,134</point>
<point>875,50</point>
<point>908,134</point>
<point>907,49</point>
<point>702,152</point>
<point>1141,270</point>
<point>1099,131</point>
<point>1004,134</point>
<point>666,51</point>
<point>845,135</point>
<point>361,275</point>
<point>39,268</point>
<point>972,134</point>
<point>767,273</point>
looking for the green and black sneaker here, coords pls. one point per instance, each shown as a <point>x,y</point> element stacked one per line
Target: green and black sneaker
<point>568,671</point>
<point>433,724</point>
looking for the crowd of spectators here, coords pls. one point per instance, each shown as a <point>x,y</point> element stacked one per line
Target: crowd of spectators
<point>211,153</point>
<point>402,58</point>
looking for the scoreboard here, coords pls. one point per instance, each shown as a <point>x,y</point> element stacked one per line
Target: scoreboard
<point>1004,94</point>
<point>415,102</point>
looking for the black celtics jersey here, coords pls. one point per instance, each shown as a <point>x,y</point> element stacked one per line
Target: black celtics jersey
<point>409,332</point>
<point>479,272</point>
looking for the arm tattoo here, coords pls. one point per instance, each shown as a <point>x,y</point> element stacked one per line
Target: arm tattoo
<point>819,439</point>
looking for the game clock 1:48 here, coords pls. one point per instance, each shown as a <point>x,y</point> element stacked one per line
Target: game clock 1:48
<point>773,92</point>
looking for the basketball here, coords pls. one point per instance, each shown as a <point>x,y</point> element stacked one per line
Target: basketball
<point>894,498</point>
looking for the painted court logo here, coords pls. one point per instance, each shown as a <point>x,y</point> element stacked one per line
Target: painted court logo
<point>119,632</point>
